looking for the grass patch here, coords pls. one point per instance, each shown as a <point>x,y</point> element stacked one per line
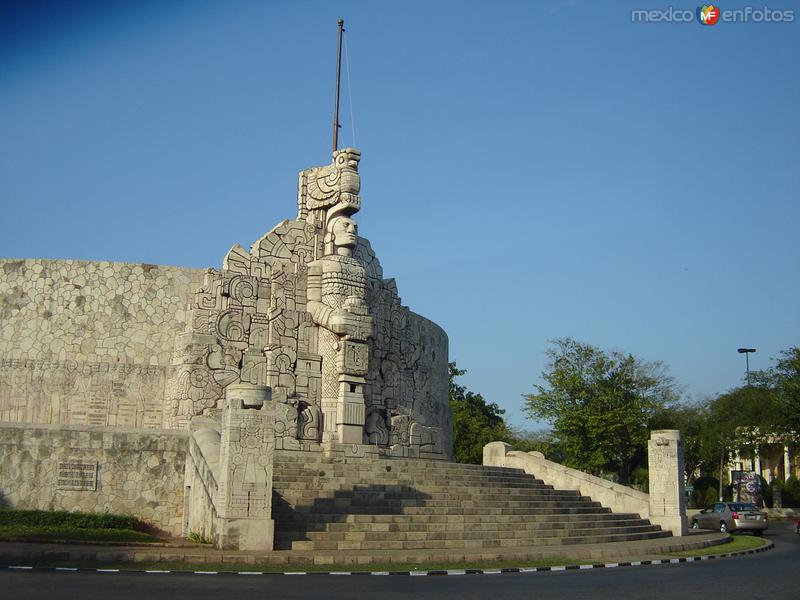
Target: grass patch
<point>738,543</point>
<point>42,525</point>
<point>77,520</point>
<point>89,534</point>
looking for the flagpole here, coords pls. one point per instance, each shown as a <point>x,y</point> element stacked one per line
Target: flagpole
<point>338,80</point>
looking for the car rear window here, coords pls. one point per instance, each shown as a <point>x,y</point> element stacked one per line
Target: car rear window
<point>743,506</point>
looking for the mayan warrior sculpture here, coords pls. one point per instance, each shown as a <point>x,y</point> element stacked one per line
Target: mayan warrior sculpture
<point>308,313</point>
<point>337,288</point>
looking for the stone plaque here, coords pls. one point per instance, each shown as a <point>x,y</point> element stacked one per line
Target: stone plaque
<point>80,475</point>
<point>355,357</point>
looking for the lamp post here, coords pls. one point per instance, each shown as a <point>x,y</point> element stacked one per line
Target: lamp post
<point>746,352</point>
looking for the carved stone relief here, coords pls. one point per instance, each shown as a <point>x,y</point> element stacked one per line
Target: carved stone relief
<point>308,313</point>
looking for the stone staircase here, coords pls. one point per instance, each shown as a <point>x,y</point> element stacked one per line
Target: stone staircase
<point>416,505</point>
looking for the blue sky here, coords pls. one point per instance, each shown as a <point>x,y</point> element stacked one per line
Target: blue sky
<point>531,170</point>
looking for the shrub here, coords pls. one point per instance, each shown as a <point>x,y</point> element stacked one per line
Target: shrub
<point>727,494</point>
<point>706,491</point>
<point>703,483</point>
<point>197,538</point>
<point>60,518</point>
<point>766,492</point>
<point>791,493</point>
<point>640,479</point>
<point>775,487</point>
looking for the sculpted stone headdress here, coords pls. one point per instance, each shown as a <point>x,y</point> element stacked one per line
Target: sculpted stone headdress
<point>323,192</point>
<point>327,193</point>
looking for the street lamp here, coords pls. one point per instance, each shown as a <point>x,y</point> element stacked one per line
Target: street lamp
<point>746,352</point>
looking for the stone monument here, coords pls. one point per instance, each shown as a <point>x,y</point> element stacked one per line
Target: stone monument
<point>667,493</point>
<point>116,378</point>
<point>312,351</point>
<point>308,313</point>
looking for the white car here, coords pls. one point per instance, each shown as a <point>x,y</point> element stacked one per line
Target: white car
<point>731,516</point>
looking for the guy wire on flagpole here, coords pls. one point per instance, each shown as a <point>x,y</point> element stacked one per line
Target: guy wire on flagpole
<point>350,93</point>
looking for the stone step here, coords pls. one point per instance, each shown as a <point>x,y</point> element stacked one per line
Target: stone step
<point>479,542</point>
<point>397,470</point>
<point>392,504</point>
<point>393,464</point>
<point>488,496</point>
<point>412,487</point>
<point>390,478</point>
<point>375,505</point>
<point>520,527</point>
<point>404,505</point>
<point>447,519</point>
<point>504,534</point>
<point>417,477</point>
<point>399,476</point>
<point>279,513</point>
<point>403,464</point>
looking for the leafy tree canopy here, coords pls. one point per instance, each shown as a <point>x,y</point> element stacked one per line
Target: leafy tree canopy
<point>476,422</point>
<point>766,411</point>
<point>692,420</point>
<point>783,382</point>
<point>600,405</point>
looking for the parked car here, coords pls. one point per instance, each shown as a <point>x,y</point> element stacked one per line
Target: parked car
<point>731,516</point>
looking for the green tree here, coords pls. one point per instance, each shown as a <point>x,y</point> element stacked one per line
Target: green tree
<point>692,421</point>
<point>538,441</point>
<point>740,419</point>
<point>599,405</point>
<point>476,422</point>
<point>783,381</point>
<point>745,417</point>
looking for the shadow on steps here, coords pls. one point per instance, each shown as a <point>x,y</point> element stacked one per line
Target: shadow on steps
<point>293,523</point>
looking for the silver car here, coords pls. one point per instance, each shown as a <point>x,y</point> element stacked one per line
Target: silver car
<point>731,516</point>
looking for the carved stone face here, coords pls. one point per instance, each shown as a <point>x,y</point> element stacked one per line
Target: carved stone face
<point>346,163</point>
<point>345,233</point>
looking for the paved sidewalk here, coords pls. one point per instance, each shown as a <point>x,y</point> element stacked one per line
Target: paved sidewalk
<point>21,552</point>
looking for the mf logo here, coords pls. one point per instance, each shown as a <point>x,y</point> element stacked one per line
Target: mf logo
<point>708,15</point>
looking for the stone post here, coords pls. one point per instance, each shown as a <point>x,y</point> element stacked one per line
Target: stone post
<point>494,454</point>
<point>787,463</point>
<point>666,465</point>
<point>244,492</point>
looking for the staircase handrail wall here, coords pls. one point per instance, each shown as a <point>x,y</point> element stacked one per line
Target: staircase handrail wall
<point>618,498</point>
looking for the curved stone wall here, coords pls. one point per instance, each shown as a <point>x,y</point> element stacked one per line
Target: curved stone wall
<point>88,343</point>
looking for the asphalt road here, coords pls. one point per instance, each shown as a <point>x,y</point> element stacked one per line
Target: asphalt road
<point>772,574</point>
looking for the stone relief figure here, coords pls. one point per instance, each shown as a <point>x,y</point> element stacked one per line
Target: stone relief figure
<point>337,287</point>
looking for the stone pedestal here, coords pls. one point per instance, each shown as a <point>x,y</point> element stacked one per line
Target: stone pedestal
<point>350,411</point>
<point>244,494</point>
<point>666,465</point>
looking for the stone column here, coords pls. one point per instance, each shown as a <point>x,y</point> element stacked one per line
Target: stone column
<point>666,465</point>
<point>244,492</point>
<point>787,463</point>
<point>352,363</point>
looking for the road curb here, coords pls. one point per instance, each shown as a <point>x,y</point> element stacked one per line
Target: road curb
<point>431,573</point>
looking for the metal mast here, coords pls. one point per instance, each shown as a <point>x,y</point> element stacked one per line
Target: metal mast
<point>338,80</point>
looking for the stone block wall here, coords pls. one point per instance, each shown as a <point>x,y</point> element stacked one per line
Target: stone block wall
<point>200,484</point>
<point>139,472</point>
<point>89,343</point>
